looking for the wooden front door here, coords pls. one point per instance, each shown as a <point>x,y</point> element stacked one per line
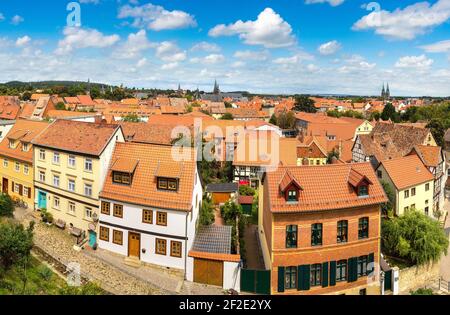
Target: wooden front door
<point>134,244</point>
<point>5,185</point>
<point>208,271</point>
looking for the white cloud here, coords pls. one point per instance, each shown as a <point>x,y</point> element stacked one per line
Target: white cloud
<point>16,20</point>
<point>169,66</point>
<point>407,23</point>
<point>238,64</point>
<point>329,48</point>
<point>439,47</point>
<point>78,38</point>
<point>210,59</point>
<point>142,62</point>
<point>252,55</point>
<point>268,30</point>
<point>170,52</point>
<point>356,64</point>
<point>205,46</point>
<point>333,3</point>
<point>22,41</point>
<point>417,62</point>
<point>134,45</point>
<point>156,18</point>
<point>90,1</point>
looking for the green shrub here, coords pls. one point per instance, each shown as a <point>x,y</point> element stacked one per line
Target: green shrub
<point>6,206</point>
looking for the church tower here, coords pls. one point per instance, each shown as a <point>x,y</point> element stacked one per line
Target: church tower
<point>216,89</point>
<point>388,93</point>
<point>383,93</point>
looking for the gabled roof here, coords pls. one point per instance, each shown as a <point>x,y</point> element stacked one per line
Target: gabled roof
<point>323,188</point>
<point>124,165</point>
<point>287,180</point>
<point>430,155</point>
<point>355,178</point>
<point>143,189</point>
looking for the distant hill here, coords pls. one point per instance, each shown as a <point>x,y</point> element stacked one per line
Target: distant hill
<point>48,84</point>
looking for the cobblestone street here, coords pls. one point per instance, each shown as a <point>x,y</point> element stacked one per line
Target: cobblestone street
<point>109,271</point>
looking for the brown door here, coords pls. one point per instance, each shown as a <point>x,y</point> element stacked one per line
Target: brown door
<point>220,198</point>
<point>208,271</point>
<point>134,244</point>
<point>5,185</point>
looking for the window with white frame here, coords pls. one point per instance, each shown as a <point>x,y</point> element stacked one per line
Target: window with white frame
<point>17,166</point>
<point>26,191</point>
<point>42,176</point>
<point>87,189</point>
<point>71,185</point>
<point>56,180</point>
<point>25,147</point>
<point>5,163</point>
<point>55,158</point>
<point>26,169</point>
<point>71,209</point>
<point>41,154</point>
<point>88,212</point>
<point>16,188</point>
<point>71,161</point>
<point>56,202</point>
<point>88,165</point>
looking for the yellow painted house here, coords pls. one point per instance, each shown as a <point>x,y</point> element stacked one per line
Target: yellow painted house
<point>16,160</point>
<point>71,159</point>
<point>412,183</point>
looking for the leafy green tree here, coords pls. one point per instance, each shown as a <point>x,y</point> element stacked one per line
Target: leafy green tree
<point>246,190</point>
<point>227,116</point>
<point>6,206</point>
<point>26,96</point>
<point>131,118</point>
<point>206,216</point>
<point>388,206</point>
<point>304,104</point>
<point>333,154</point>
<point>273,120</point>
<point>415,237</point>
<point>437,130</point>
<point>228,104</point>
<point>286,120</point>
<point>231,213</point>
<point>390,113</point>
<point>60,106</point>
<point>15,244</point>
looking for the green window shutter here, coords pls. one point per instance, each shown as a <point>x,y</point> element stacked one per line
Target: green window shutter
<point>352,269</point>
<point>280,279</point>
<point>332,273</point>
<point>306,277</point>
<point>370,265</point>
<point>299,278</point>
<point>325,274</point>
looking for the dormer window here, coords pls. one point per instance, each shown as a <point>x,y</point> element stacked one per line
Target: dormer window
<point>292,195</point>
<point>121,178</point>
<point>363,190</point>
<point>167,184</point>
<point>25,147</point>
<point>11,144</point>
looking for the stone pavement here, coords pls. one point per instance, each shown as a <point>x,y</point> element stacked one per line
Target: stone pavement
<point>109,271</point>
<point>445,261</point>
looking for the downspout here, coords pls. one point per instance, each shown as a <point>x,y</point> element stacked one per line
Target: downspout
<point>185,244</point>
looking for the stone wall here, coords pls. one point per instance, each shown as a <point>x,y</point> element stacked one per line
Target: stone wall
<point>416,277</point>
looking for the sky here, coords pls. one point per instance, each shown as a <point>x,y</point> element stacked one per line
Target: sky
<point>260,46</point>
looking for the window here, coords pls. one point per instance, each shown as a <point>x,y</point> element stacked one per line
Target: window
<point>5,163</point>
<point>25,147</point>
<point>426,210</point>
<point>406,209</point>
<point>316,234</point>
<point>71,208</point>
<point>26,192</point>
<point>161,218</point>
<point>363,190</point>
<point>55,158</point>
<point>117,237</point>
<point>26,169</point>
<point>291,236</point>
<point>106,207</point>
<point>406,193</point>
<point>379,174</point>
<point>167,184</point>
<point>341,270</point>
<point>71,161</point>
<point>290,278</point>
<point>88,213</point>
<point>17,188</point>
<point>427,187</point>
<point>292,195</point>
<point>55,202</point>
<point>88,165</point>
<point>42,176</point>
<point>413,206</point>
<point>56,180</point>
<point>362,266</point>
<point>118,211</point>
<point>104,234</point>
<point>41,154</point>
<point>17,166</point>
<point>316,272</point>
<point>121,178</point>
<point>413,191</point>
<point>11,144</point>
<point>160,247</point>
<point>363,228</point>
<point>363,292</point>
<point>147,216</point>
<point>71,185</point>
<point>175,249</point>
<point>87,189</point>
<point>342,231</point>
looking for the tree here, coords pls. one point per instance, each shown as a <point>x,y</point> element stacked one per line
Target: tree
<point>228,104</point>
<point>304,104</point>
<point>60,106</point>
<point>206,216</point>
<point>388,206</point>
<point>245,190</point>
<point>15,243</point>
<point>333,154</point>
<point>227,116</point>
<point>390,113</point>
<point>415,237</point>
<point>437,130</point>
<point>286,120</point>
<point>6,206</point>
<point>273,120</point>
<point>231,213</point>
<point>26,96</point>
<point>131,118</point>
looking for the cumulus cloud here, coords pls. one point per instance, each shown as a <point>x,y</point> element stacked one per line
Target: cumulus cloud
<point>169,66</point>
<point>329,48</point>
<point>78,38</point>
<point>333,3</point>
<point>170,52</point>
<point>142,62</point>
<point>252,55</point>
<point>439,47</point>
<point>416,62</point>
<point>134,45</point>
<point>205,46</point>
<point>356,64</point>
<point>156,18</point>
<point>407,23</point>
<point>210,59</point>
<point>16,20</point>
<point>268,30</point>
<point>22,41</point>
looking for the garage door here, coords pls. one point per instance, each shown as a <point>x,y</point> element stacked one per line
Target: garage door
<point>220,198</point>
<point>208,271</point>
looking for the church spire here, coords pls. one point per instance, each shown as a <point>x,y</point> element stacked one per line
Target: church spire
<point>388,93</point>
<point>383,92</point>
<point>216,89</point>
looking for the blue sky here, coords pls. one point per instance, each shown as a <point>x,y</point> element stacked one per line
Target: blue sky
<point>264,46</point>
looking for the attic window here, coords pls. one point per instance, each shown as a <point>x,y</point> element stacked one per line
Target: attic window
<point>167,184</point>
<point>292,195</point>
<point>363,190</point>
<point>122,178</point>
<point>11,144</point>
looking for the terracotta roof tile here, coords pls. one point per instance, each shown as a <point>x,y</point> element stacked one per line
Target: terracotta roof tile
<point>124,165</point>
<point>431,155</point>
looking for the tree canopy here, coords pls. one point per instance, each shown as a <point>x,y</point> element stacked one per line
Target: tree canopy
<point>15,243</point>
<point>304,104</point>
<point>6,206</point>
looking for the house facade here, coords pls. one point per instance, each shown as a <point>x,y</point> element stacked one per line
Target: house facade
<point>71,160</point>
<point>412,183</point>
<point>319,229</point>
<point>150,205</point>
<point>16,158</point>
